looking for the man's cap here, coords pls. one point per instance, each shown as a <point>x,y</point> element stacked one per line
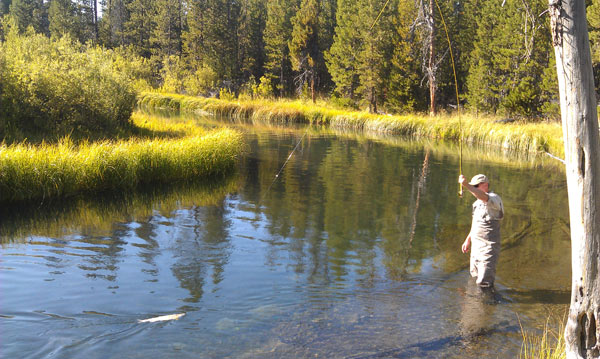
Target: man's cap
<point>478,179</point>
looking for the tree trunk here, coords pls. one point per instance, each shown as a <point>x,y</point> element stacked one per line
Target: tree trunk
<point>582,151</point>
<point>281,76</point>
<point>312,84</point>
<point>95,8</point>
<point>431,65</point>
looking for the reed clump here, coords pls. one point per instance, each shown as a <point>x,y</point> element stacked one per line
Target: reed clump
<point>168,153</point>
<point>519,136</point>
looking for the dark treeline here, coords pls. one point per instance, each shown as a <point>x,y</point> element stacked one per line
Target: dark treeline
<point>330,48</point>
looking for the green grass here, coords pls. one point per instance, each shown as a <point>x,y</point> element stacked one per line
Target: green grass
<point>166,153</point>
<point>519,136</point>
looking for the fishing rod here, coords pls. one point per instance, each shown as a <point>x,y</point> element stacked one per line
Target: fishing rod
<point>460,140</point>
<point>460,135</point>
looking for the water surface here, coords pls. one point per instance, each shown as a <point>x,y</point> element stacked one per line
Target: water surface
<point>353,251</point>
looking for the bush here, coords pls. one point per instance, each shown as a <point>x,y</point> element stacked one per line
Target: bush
<point>264,89</point>
<point>201,82</point>
<point>60,86</point>
<point>226,94</point>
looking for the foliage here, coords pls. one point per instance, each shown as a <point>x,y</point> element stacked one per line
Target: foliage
<point>201,82</point>
<point>502,52</point>
<point>62,18</point>
<point>264,89</point>
<point>304,44</point>
<point>59,86</point>
<point>277,34</point>
<point>226,94</point>
<point>507,68</point>
<point>29,13</point>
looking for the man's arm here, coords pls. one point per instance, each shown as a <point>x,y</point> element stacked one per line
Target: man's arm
<point>466,244</point>
<point>479,194</point>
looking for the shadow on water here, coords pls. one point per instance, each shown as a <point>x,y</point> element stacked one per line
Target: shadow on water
<point>431,347</point>
<point>58,218</point>
<point>539,296</point>
<point>476,326</point>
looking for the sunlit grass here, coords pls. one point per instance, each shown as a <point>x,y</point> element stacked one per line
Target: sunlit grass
<point>550,344</point>
<point>169,152</point>
<point>520,136</point>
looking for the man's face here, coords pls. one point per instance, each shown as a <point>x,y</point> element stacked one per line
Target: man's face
<point>483,186</point>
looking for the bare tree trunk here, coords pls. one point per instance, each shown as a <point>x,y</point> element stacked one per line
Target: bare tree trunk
<point>582,151</point>
<point>95,4</point>
<point>432,80</point>
<point>281,77</point>
<point>312,84</point>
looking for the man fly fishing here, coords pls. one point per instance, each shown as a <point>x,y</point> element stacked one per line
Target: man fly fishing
<point>484,237</point>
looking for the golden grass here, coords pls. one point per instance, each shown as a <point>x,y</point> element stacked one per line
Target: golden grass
<point>518,136</point>
<point>550,344</point>
<point>176,151</point>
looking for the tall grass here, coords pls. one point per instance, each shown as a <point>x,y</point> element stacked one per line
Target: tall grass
<point>29,172</point>
<point>483,130</point>
<point>550,344</point>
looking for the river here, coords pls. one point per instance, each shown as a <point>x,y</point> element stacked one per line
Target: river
<point>353,251</point>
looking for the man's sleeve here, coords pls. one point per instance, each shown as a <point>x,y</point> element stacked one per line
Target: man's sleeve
<point>495,204</point>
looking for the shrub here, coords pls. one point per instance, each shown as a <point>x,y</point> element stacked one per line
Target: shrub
<point>226,94</point>
<point>60,86</point>
<point>264,89</point>
<point>201,82</point>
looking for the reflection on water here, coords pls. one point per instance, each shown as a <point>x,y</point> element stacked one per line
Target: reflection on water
<point>352,252</point>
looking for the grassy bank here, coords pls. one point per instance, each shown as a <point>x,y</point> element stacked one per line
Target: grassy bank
<point>481,130</point>
<point>161,153</point>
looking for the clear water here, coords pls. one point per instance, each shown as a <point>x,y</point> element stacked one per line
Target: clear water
<point>352,252</point>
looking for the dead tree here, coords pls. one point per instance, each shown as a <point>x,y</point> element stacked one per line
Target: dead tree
<point>568,26</point>
<point>426,21</point>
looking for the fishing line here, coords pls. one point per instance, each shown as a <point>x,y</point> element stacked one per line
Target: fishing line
<point>460,134</point>
<point>285,163</point>
<point>460,140</point>
<point>378,16</point>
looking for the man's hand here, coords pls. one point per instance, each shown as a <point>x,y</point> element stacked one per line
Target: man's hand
<point>461,180</point>
<point>466,244</point>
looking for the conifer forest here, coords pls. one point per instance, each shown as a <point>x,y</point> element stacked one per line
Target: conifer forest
<point>389,56</point>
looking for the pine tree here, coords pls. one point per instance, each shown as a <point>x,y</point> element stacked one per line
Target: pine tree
<point>166,37</point>
<point>403,87</point>
<point>112,31</point>
<point>507,68</point>
<point>87,11</point>
<point>30,13</point>
<point>593,18</point>
<point>140,25</point>
<point>342,57</point>
<point>63,19</point>
<point>374,58</point>
<point>212,37</point>
<point>327,25</point>
<point>251,53</point>
<point>304,45</point>
<point>4,7</point>
<point>277,34</point>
